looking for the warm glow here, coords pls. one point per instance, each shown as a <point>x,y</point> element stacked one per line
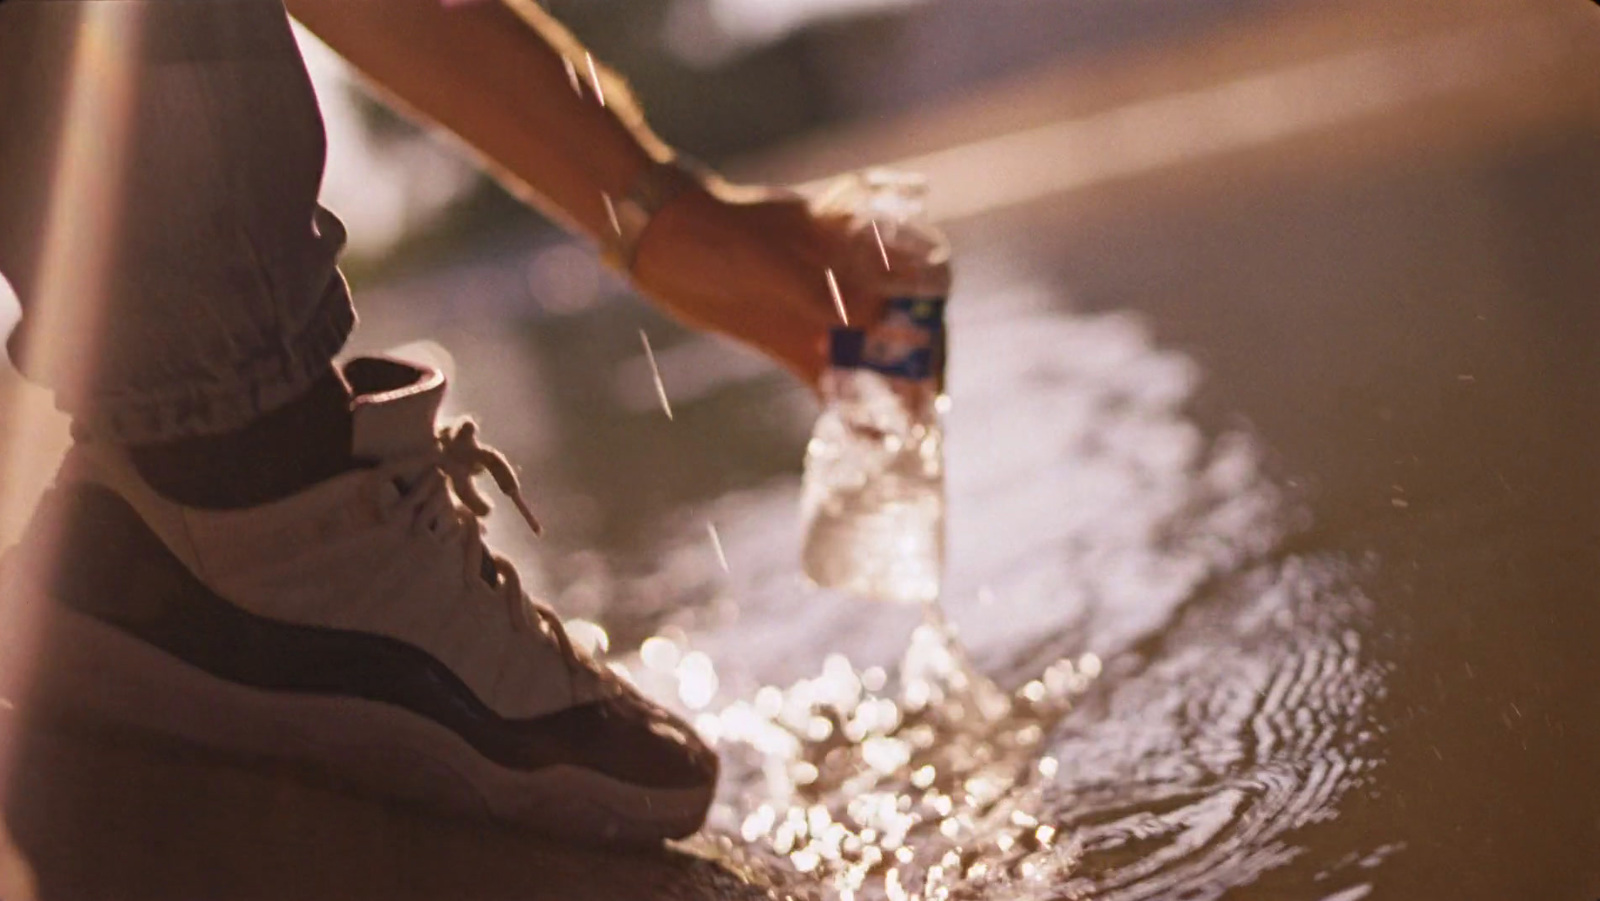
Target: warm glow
<point>78,234</point>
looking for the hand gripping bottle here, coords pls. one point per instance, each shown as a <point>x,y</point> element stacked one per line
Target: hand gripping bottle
<point>873,491</point>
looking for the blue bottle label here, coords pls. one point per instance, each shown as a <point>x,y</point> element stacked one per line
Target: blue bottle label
<point>908,342</point>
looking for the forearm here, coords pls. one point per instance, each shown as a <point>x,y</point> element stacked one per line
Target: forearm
<point>512,84</point>
<point>749,262</point>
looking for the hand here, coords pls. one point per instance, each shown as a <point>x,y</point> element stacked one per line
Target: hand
<point>752,264</point>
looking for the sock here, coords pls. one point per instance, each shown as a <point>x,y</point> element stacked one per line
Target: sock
<point>279,454</point>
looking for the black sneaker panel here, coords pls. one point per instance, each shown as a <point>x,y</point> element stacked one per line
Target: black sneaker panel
<point>113,568</point>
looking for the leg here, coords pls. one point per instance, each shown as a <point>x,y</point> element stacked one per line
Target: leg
<point>362,624</point>
<point>158,220</point>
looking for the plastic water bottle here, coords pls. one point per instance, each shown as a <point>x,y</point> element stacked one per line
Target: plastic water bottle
<point>873,492</point>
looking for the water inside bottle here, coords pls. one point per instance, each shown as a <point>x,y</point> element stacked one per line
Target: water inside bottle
<point>873,499</point>
<point>874,494</point>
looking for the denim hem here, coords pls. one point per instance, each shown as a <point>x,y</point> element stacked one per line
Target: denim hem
<point>255,388</point>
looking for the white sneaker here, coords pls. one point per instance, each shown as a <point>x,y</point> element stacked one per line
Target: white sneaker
<point>360,624</point>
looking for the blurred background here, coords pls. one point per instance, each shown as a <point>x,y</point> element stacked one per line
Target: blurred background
<point>725,80</point>
<point>769,90</point>
<point>1275,534</point>
<point>737,83</point>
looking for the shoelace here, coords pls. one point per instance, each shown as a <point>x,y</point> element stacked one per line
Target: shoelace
<point>464,457</point>
<point>461,458</point>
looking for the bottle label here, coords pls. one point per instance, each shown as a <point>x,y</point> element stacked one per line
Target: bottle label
<point>908,343</point>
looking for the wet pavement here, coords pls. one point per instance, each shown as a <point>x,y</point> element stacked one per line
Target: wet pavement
<point>1274,544</point>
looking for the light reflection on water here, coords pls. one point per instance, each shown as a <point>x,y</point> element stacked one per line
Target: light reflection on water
<point>1151,695</point>
<point>837,789</point>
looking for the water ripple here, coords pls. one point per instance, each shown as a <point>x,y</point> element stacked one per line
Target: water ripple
<point>1149,694</point>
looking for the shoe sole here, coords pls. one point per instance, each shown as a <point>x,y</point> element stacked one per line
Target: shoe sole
<point>102,674</point>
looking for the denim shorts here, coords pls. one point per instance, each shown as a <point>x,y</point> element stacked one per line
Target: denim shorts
<point>160,162</point>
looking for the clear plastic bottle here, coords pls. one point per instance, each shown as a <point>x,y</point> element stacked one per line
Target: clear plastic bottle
<point>873,491</point>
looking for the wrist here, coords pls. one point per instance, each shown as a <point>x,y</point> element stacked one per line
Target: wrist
<point>631,214</point>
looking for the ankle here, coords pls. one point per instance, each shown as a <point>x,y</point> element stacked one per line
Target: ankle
<point>287,450</point>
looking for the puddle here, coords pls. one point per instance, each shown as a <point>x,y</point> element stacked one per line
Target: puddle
<point>1135,687</point>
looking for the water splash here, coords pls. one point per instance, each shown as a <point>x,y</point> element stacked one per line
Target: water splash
<point>928,781</point>
<point>856,784</point>
<point>1154,693</point>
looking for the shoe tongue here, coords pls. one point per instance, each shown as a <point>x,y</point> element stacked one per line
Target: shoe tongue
<point>394,409</point>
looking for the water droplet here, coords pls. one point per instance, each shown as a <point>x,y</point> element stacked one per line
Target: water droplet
<point>838,298</point>
<point>660,654</point>
<point>983,789</point>
<point>1048,767</point>
<point>716,545</point>
<point>769,701</point>
<point>758,823</point>
<point>611,214</point>
<point>655,372</point>
<point>838,685</point>
<point>588,636</point>
<point>697,680</point>
<point>874,678</point>
<point>923,777</point>
<point>783,839</point>
<point>886,755</point>
<point>892,887</point>
<point>1058,678</point>
<point>805,860</point>
<point>709,726</point>
<point>572,76</point>
<point>594,79</point>
<point>817,819</point>
<point>882,250</point>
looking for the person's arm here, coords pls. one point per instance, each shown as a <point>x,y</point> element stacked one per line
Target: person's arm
<point>519,89</point>
<point>499,78</point>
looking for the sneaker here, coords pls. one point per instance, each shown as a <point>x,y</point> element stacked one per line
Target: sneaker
<point>360,625</point>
